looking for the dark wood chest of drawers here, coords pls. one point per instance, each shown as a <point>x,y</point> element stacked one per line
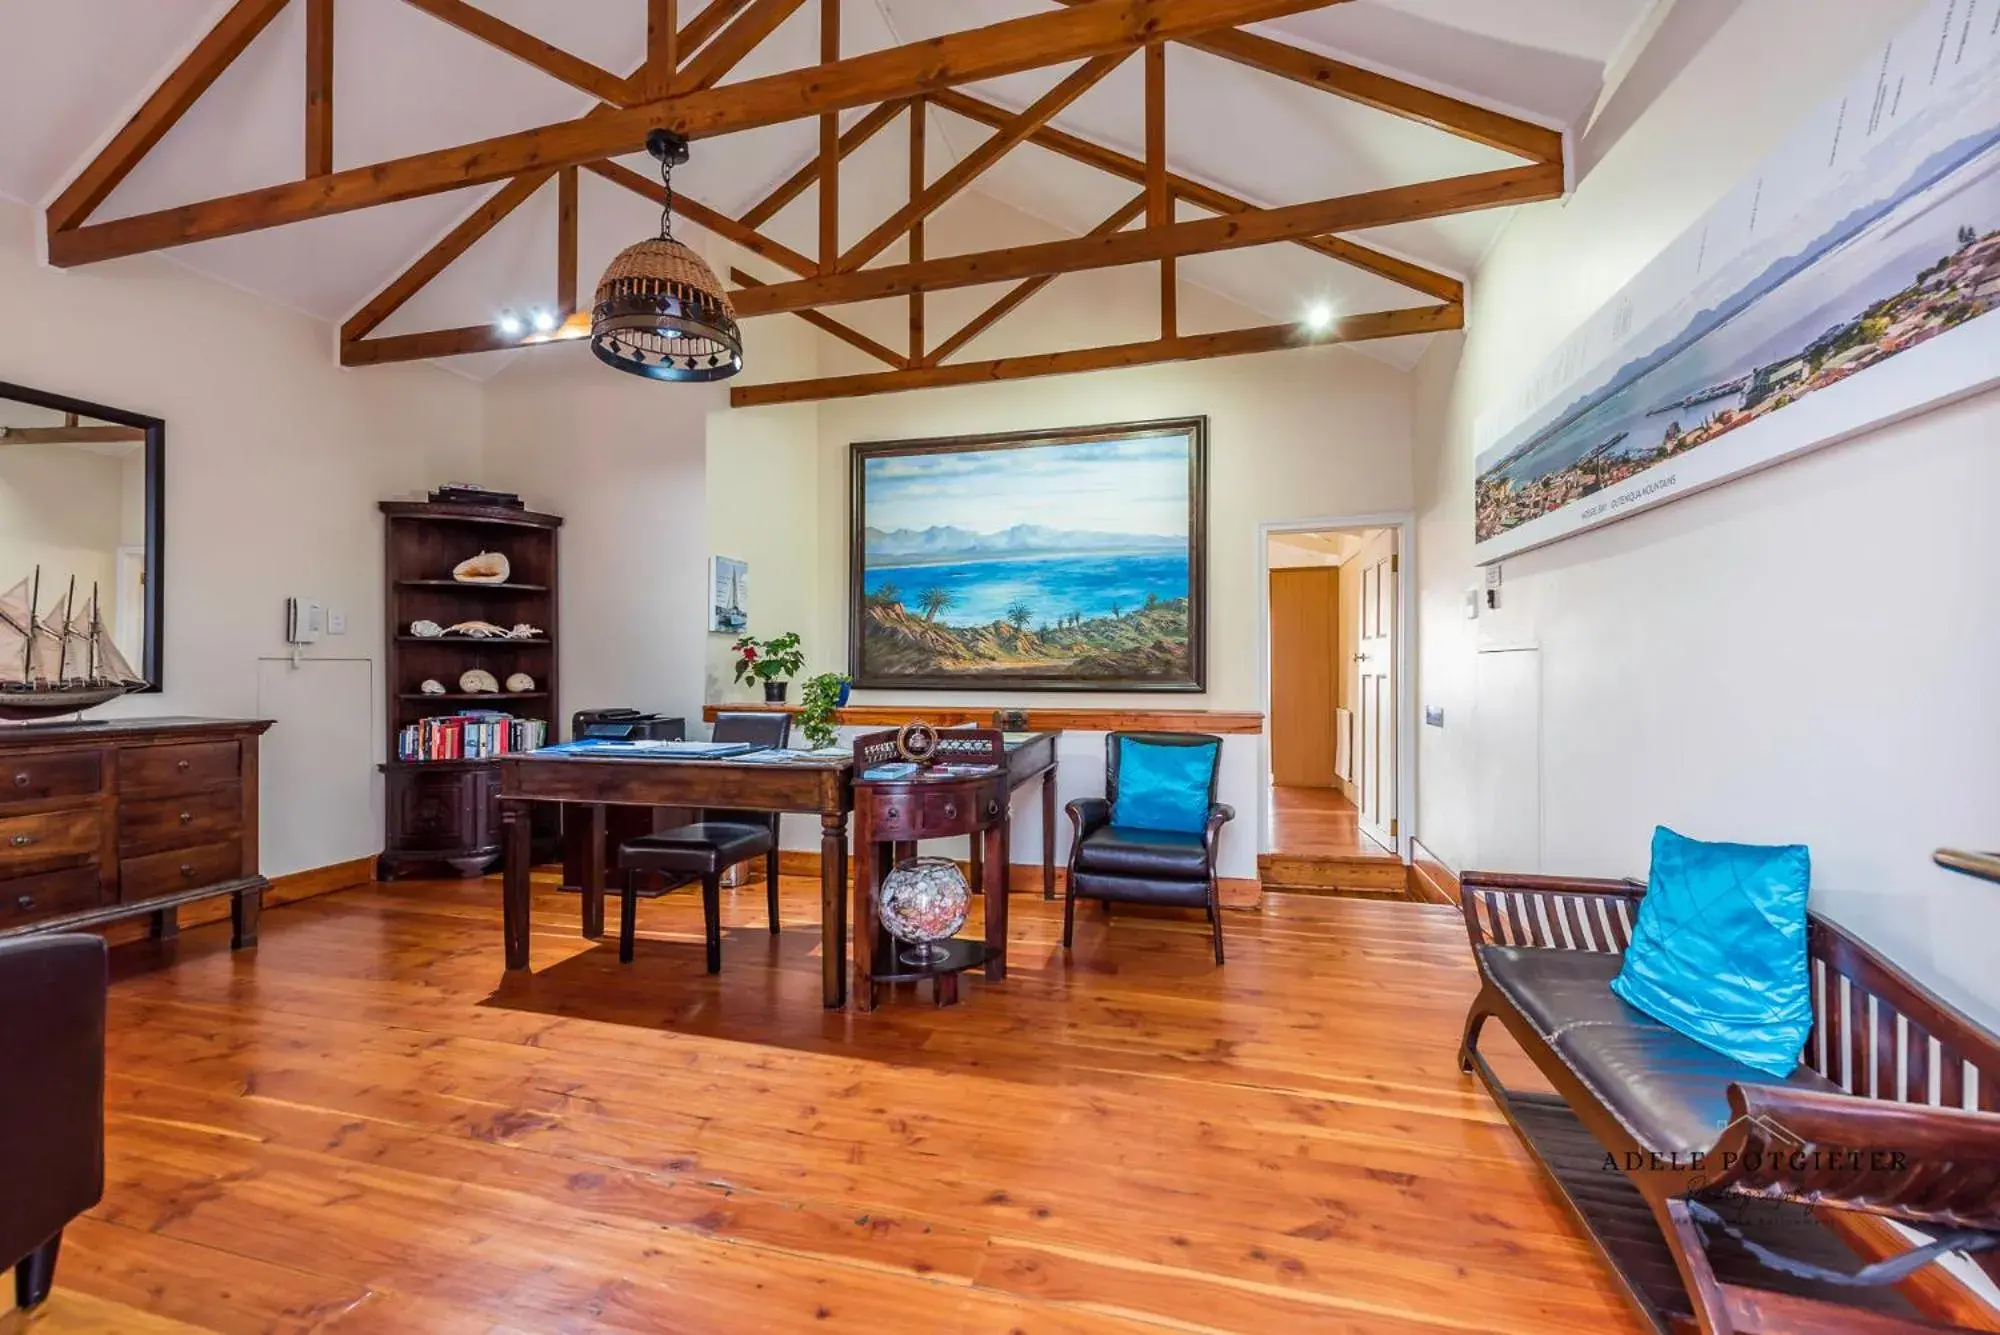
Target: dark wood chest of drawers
<point>125,818</point>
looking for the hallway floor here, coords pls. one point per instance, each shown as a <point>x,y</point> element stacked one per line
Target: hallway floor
<point>1316,822</point>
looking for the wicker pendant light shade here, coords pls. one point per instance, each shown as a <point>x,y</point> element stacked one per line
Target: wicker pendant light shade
<point>660,311</point>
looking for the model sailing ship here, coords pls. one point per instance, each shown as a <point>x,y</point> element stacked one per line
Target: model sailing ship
<point>57,662</point>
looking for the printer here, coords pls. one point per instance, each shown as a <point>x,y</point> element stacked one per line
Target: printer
<point>625,725</point>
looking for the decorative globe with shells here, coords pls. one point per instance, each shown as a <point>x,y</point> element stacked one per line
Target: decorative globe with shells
<point>924,901</point>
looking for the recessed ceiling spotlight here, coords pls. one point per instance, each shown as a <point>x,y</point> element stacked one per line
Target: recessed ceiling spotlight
<point>510,323</point>
<point>1319,317</point>
<point>543,320</point>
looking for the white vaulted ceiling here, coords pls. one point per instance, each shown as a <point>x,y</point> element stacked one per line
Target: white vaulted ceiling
<point>71,71</point>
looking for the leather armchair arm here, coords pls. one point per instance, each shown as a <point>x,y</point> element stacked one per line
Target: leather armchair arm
<point>1219,815</point>
<point>1909,1162</point>
<point>1087,814</point>
<point>52,993</point>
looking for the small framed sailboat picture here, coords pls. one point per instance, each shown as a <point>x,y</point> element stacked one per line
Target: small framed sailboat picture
<point>728,595</point>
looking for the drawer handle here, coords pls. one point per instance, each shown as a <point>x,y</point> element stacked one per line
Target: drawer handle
<point>187,818</point>
<point>894,812</point>
<point>22,840</point>
<point>24,903</point>
<point>182,764</point>
<point>187,869</point>
<point>950,812</point>
<point>21,779</point>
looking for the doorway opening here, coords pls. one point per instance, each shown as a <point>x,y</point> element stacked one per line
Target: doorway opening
<point>1332,817</point>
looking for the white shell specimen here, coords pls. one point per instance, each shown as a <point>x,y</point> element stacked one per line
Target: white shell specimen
<point>432,686</point>
<point>485,568</point>
<point>426,630</point>
<point>478,630</point>
<point>478,681</point>
<point>520,682</point>
<point>523,631</point>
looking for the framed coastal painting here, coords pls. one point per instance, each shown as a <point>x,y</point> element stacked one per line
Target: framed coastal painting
<point>1850,281</point>
<point>1071,560</point>
<point>728,595</point>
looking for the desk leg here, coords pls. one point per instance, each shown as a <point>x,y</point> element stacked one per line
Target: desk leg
<point>1049,833</point>
<point>515,831</point>
<point>867,873</point>
<point>593,871</point>
<point>833,909</point>
<point>994,886</point>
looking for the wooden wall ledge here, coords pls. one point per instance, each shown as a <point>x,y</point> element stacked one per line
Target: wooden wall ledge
<point>1226,721</point>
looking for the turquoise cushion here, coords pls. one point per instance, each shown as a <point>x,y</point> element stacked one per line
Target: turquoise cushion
<point>1719,951</point>
<point>1163,787</point>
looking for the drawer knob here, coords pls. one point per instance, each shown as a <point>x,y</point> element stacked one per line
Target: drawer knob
<point>992,808</point>
<point>950,812</point>
<point>22,840</point>
<point>182,764</point>
<point>894,812</point>
<point>187,818</point>
<point>187,869</point>
<point>24,903</point>
<point>21,779</point>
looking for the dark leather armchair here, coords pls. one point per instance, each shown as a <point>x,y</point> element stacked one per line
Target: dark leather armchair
<point>1111,862</point>
<point>718,841</point>
<point>52,1118</point>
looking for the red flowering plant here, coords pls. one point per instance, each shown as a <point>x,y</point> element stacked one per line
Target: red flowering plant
<point>776,659</point>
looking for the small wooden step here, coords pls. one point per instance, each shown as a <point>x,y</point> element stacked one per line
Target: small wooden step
<point>1375,877</point>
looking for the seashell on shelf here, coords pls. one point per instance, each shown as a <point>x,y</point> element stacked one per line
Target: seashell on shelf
<point>485,568</point>
<point>523,631</point>
<point>520,682</point>
<point>478,630</point>
<point>426,630</point>
<point>432,686</point>
<point>478,681</point>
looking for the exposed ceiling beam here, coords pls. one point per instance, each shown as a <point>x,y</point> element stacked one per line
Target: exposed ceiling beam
<point>1196,347</point>
<point>799,181</point>
<point>828,325</point>
<point>918,175</point>
<point>553,61</point>
<point>566,242</point>
<point>829,146</point>
<point>161,110</point>
<point>319,87</point>
<point>663,49</point>
<point>1375,208</point>
<point>974,164</point>
<point>712,19</point>
<point>1101,27</point>
<point>71,434</point>
<point>1415,276</point>
<point>708,66</point>
<point>714,220</point>
<point>1021,291</point>
<point>1159,199</point>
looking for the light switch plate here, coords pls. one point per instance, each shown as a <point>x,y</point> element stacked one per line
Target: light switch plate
<point>336,623</point>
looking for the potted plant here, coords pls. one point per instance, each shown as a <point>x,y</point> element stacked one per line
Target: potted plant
<point>774,662</point>
<point>818,699</point>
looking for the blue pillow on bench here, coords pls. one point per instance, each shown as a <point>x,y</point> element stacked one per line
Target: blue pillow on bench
<point>1719,951</point>
<point>1163,786</point>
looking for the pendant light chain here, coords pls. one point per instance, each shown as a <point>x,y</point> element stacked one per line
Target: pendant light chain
<point>667,204</point>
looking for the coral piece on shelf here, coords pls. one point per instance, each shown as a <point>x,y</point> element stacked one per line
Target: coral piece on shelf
<point>485,568</point>
<point>478,630</point>
<point>523,631</point>
<point>478,681</point>
<point>432,686</point>
<point>520,682</point>
<point>426,630</point>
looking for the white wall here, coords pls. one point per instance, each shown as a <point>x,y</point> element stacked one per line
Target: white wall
<point>1803,655</point>
<point>275,460</point>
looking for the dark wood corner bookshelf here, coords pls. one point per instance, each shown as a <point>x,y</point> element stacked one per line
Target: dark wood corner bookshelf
<point>446,813</point>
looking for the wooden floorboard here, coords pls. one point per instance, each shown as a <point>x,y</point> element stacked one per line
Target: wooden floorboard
<point>359,1127</point>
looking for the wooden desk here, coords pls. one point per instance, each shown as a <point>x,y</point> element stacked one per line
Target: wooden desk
<point>1028,755</point>
<point>591,784</point>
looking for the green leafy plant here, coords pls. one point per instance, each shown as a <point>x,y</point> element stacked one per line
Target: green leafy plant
<point>776,659</point>
<point>819,697</point>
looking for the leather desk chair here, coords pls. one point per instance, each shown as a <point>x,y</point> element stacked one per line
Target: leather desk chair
<point>710,847</point>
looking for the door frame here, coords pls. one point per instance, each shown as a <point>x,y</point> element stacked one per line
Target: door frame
<point>1404,523</point>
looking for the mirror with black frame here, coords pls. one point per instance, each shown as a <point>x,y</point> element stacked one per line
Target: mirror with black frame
<point>80,519</point>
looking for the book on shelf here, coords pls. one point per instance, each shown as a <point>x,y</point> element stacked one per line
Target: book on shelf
<point>471,735</point>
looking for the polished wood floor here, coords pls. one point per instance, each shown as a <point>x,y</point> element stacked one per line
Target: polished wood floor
<point>1316,822</point>
<point>358,1128</point>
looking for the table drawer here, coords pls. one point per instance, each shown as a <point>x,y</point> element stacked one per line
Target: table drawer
<point>155,824</point>
<point>33,778</point>
<point>47,838</point>
<point>178,869</point>
<point>158,771</point>
<point>31,898</point>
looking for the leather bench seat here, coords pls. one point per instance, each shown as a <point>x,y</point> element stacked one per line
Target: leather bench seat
<point>1669,1091</point>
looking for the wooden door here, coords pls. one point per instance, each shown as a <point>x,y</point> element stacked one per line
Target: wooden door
<point>1375,717</point>
<point>1304,674</point>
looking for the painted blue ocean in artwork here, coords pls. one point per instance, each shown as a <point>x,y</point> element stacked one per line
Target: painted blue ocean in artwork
<point>1069,561</point>
<point>1052,588</point>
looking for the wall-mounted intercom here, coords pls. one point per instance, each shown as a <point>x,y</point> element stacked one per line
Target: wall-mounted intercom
<point>305,620</point>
